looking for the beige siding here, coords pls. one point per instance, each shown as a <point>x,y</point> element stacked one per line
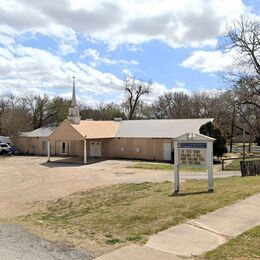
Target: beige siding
<point>125,148</point>
<point>139,148</point>
<point>65,132</point>
<point>34,145</point>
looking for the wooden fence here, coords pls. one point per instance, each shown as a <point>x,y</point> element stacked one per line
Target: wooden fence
<point>229,159</point>
<point>250,168</point>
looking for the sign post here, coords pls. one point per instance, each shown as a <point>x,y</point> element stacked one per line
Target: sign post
<point>193,149</point>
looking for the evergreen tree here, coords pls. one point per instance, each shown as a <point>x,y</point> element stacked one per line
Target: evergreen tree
<point>219,145</point>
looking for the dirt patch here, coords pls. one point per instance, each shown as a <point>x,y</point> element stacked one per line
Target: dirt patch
<point>26,180</point>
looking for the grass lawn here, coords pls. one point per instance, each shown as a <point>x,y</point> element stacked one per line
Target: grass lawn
<point>245,246</point>
<point>126,213</point>
<point>235,165</point>
<point>166,167</point>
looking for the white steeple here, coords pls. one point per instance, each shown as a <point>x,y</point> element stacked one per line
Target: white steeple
<point>73,116</point>
<point>74,101</point>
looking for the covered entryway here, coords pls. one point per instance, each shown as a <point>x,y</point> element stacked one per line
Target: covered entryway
<point>85,142</point>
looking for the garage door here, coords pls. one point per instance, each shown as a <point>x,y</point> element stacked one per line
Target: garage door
<point>95,149</point>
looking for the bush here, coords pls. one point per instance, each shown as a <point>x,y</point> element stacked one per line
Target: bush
<point>219,145</point>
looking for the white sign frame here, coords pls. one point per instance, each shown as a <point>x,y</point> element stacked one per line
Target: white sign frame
<point>194,138</point>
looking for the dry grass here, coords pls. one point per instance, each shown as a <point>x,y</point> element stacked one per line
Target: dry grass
<point>235,165</point>
<point>166,167</point>
<point>245,246</point>
<point>126,213</point>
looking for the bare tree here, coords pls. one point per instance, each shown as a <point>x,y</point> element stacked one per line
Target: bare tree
<point>171,105</point>
<point>134,90</point>
<point>13,122</point>
<point>243,38</point>
<point>40,109</point>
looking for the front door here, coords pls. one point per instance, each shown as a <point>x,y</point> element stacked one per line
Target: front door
<point>95,149</point>
<point>63,148</point>
<point>167,151</point>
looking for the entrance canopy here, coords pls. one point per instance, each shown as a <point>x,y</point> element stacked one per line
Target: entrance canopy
<point>193,149</point>
<point>86,129</point>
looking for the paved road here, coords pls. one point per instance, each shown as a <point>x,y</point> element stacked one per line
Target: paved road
<point>204,175</point>
<point>17,244</point>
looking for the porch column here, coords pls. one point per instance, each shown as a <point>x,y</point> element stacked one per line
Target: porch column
<point>85,151</point>
<point>49,151</point>
<point>209,157</point>
<point>176,169</point>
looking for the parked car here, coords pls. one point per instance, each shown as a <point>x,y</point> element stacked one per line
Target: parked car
<point>6,139</point>
<point>6,149</point>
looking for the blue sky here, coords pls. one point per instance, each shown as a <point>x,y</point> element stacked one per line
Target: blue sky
<point>175,44</point>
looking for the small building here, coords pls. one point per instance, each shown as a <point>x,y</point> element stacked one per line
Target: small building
<point>128,139</point>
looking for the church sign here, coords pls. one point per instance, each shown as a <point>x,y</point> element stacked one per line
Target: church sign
<point>192,153</point>
<point>193,149</point>
<point>193,145</point>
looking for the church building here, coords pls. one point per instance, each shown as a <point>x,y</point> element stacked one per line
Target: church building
<point>128,139</point>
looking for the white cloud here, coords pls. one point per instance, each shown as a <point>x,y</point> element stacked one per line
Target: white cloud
<point>208,61</point>
<point>95,55</point>
<point>177,23</point>
<point>90,53</point>
<point>127,72</point>
<point>26,69</point>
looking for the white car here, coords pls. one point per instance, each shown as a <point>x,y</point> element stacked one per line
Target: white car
<point>5,148</point>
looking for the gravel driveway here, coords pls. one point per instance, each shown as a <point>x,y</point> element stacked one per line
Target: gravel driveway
<point>26,180</point>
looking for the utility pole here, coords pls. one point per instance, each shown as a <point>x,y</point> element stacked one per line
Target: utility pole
<point>232,128</point>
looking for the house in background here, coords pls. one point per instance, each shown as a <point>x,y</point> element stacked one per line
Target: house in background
<point>132,139</point>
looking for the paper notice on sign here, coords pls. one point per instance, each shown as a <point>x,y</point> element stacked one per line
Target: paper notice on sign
<point>192,157</point>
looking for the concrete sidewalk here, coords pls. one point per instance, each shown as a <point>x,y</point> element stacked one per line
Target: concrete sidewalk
<point>195,236</point>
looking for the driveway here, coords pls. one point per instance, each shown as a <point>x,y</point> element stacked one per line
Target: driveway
<point>25,180</point>
<point>17,243</point>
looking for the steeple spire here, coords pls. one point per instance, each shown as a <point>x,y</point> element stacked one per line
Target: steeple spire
<point>74,101</point>
<point>74,116</point>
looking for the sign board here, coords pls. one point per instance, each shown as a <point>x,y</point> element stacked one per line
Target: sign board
<point>193,149</point>
<point>192,145</point>
<point>192,153</point>
<point>192,157</point>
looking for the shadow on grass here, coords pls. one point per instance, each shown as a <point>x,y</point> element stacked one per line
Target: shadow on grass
<point>182,194</point>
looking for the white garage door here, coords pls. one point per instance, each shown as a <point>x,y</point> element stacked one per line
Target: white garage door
<point>95,149</point>
<point>167,152</point>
